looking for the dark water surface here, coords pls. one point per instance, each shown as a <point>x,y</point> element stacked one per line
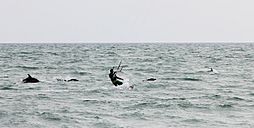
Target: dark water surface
<point>185,93</point>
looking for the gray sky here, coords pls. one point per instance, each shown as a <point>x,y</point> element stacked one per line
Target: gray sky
<point>126,20</point>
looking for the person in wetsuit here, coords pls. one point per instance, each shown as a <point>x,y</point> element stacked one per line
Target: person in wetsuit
<point>113,78</point>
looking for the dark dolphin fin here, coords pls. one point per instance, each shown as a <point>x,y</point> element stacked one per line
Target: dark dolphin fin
<point>29,75</point>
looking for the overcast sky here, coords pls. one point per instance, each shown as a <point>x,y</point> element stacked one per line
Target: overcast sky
<point>126,20</point>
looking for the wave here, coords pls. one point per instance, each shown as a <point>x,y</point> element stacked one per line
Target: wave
<point>136,115</point>
<point>185,105</point>
<point>190,79</point>
<point>225,105</point>
<point>50,116</point>
<point>8,88</point>
<point>236,98</point>
<point>53,53</point>
<point>141,106</point>
<point>104,124</point>
<point>183,79</point>
<point>24,52</point>
<point>27,67</point>
<point>43,96</point>
<point>82,73</point>
<point>95,101</point>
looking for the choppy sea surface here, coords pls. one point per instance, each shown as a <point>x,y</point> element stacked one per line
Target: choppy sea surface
<point>185,94</point>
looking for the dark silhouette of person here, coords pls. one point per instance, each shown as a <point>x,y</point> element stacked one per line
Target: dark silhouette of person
<point>113,78</point>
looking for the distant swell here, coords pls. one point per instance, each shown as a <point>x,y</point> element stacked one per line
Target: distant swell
<point>7,88</point>
<point>27,67</point>
<point>50,116</point>
<point>190,79</point>
<point>226,106</point>
<point>183,79</point>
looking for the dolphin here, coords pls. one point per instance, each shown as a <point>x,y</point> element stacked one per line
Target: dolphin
<point>67,80</point>
<point>213,71</point>
<point>72,80</point>
<point>151,79</point>
<point>30,79</point>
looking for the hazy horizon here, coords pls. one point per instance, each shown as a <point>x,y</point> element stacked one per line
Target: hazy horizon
<point>112,21</point>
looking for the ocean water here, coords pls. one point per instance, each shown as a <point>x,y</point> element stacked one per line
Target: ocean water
<point>184,95</point>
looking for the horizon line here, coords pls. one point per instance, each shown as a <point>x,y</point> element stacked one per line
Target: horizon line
<point>120,42</point>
